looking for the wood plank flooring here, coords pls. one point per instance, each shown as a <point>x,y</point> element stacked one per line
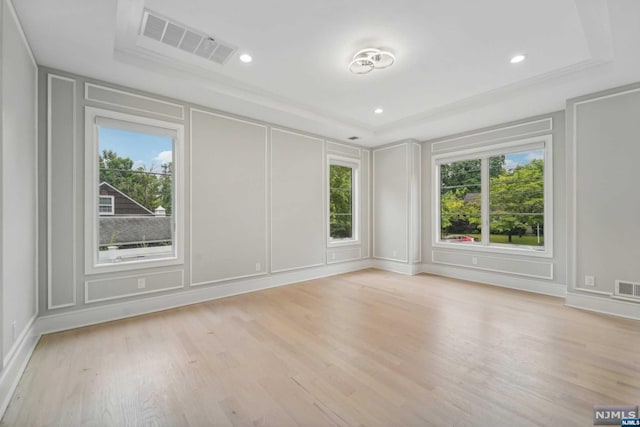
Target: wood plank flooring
<point>367,348</point>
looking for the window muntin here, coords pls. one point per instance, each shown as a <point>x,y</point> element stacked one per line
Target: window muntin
<point>496,198</point>
<point>138,161</point>
<point>343,179</point>
<point>105,205</point>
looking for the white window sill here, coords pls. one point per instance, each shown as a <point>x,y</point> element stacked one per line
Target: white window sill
<point>529,251</point>
<point>124,260</point>
<point>336,243</point>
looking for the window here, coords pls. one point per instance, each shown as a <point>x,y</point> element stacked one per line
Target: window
<point>133,170</point>
<point>343,178</point>
<point>105,205</point>
<point>496,198</point>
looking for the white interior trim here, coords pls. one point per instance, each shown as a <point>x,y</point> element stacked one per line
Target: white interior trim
<point>538,142</point>
<point>91,215</point>
<point>133,95</point>
<point>105,313</point>
<point>490,278</point>
<point>120,296</point>
<point>476,267</point>
<point>369,203</point>
<point>16,362</point>
<point>74,257</point>
<point>407,198</point>
<point>355,165</point>
<point>358,149</point>
<point>267,196</point>
<point>549,128</point>
<point>613,307</point>
<point>270,209</point>
<point>572,180</point>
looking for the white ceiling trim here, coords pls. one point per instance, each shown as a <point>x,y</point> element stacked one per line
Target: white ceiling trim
<point>594,17</point>
<point>128,49</point>
<point>484,98</point>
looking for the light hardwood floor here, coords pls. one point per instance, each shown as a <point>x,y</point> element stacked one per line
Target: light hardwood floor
<point>365,348</point>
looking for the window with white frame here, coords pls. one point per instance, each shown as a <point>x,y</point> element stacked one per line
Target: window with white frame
<point>105,205</point>
<point>343,179</point>
<point>137,158</point>
<point>496,197</point>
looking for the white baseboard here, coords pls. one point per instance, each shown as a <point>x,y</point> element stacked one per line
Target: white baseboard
<point>396,266</point>
<point>105,313</point>
<point>16,362</point>
<point>520,283</point>
<point>604,305</point>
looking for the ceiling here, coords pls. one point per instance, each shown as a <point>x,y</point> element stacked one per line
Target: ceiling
<point>452,70</point>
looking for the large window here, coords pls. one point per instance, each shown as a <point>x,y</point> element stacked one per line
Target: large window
<point>343,180</point>
<point>496,198</point>
<point>132,173</point>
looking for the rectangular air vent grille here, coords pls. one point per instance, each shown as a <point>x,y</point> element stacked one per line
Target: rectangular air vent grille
<point>627,289</point>
<point>172,33</point>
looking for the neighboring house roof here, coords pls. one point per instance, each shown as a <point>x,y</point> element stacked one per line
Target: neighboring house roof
<point>135,208</point>
<point>133,230</point>
<point>472,197</point>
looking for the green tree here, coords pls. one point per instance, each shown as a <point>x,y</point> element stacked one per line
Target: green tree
<point>458,215</point>
<point>466,174</point>
<point>116,170</point>
<point>461,177</point>
<point>340,202</point>
<point>517,199</point>
<point>460,186</point>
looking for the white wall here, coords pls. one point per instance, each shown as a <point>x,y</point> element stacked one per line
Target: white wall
<point>297,201</point>
<point>522,271</point>
<point>604,148</point>
<point>19,181</point>
<point>255,201</point>
<point>228,198</point>
<point>397,204</point>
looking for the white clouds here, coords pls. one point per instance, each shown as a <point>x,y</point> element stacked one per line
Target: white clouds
<point>163,158</point>
<point>514,160</point>
<point>137,164</point>
<point>510,164</point>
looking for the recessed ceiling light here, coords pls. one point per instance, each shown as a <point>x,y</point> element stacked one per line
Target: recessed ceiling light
<point>518,58</point>
<point>378,110</point>
<point>246,58</point>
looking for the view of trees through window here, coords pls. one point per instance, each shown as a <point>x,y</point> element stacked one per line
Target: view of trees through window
<point>516,199</point>
<point>136,172</point>
<point>340,202</point>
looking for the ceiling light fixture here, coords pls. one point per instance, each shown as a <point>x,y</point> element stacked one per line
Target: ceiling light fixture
<point>378,110</point>
<point>370,59</point>
<point>518,58</point>
<point>246,58</point>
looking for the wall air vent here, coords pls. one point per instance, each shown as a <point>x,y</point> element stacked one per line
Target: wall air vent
<point>172,33</point>
<point>627,289</point>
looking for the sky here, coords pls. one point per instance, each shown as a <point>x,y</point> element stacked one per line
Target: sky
<point>522,158</point>
<point>144,149</point>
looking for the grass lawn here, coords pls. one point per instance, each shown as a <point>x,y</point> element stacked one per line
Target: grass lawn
<point>515,240</point>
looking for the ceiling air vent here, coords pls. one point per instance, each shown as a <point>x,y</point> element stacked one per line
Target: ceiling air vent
<point>627,289</point>
<point>172,33</point>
